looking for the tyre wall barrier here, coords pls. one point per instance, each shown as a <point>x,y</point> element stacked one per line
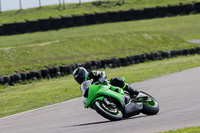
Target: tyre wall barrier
<point>1,30</point>
<point>79,20</point>
<point>150,12</point>
<point>44,24</point>
<point>1,80</point>
<point>87,19</point>
<point>90,18</point>
<point>32,26</point>
<point>67,21</point>
<point>55,23</point>
<point>57,71</point>
<point>197,6</point>
<point>21,27</point>
<point>186,8</point>
<point>138,14</point>
<point>162,11</point>
<point>9,29</point>
<point>174,9</point>
<point>23,76</point>
<point>126,15</point>
<point>102,17</point>
<point>114,16</point>
<point>45,73</point>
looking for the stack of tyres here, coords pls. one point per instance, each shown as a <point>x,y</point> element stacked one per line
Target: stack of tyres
<point>67,21</point>
<point>143,58</point>
<point>45,73</point>
<point>174,9</point>
<point>88,65</point>
<point>90,18</point>
<point>138,14</point>
<point>38,75</point>
<point>9,29</point>
<point>6,80</point>
<point>17,78</point>
<point>1,80</point>
<point>12,82</point>
<point>55,23</point>
<point>186,8</point>
<point>1,30</point>
<point>23,76</point>
<point>70,69</point>
<point>32,26</point>
<point>31,75</point>
<point>126,15</point>
<point>54,72</point>
<point>136,59</point>
<point>162,11</point>
<point>44,24</point>
<point>124,61</point>
<point>102,17</point>
<point>21,27</point>
<point>63,70</point>
<point>150,12</point>
<point>114,16</point>
<point>79,20</point>
<point>197,7</point>
<point>115,62</point>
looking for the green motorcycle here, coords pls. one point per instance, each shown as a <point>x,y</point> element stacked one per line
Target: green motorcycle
<point>114,103</point>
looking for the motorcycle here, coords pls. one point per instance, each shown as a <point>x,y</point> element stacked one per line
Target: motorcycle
<point>114,103</point>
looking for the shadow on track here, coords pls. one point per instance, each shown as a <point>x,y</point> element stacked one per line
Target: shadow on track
<point>107,121</point>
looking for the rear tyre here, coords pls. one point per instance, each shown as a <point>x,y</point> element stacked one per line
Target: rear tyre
<point>112,114</point>
<point>150,107</point>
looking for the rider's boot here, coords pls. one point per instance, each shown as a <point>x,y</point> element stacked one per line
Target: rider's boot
<point>133,92</point>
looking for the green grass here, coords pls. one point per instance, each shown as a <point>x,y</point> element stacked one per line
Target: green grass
<point>185,130</point>
<point>20,98</point>
<point>79,44</point>
<point>76,9</point>
<point>185,27</point>
<point>81,49</point>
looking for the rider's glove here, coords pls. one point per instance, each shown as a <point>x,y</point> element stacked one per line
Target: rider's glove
<point>101,80</point>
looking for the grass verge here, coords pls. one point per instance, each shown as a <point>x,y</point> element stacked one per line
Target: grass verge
<point>20,98</point>
<point>82,49</point>
<point>36,50</point>
<point>185,27</point>
<point>184,130</point>
<point>77,9</point>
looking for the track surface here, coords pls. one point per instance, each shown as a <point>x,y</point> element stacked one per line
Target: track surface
<point>178,96</point>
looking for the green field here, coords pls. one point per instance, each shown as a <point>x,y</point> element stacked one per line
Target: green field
<point>34,51</point>
<point>185,130</point>
<point>20,98</point>
<point>76,9</point>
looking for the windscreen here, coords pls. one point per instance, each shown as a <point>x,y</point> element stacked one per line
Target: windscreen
<point>85,85</point>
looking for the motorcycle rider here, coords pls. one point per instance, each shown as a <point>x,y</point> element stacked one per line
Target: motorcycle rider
<point>81,74</point>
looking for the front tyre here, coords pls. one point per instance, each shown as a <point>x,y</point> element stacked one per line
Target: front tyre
<point>112,114</point>
<point>150,106</point>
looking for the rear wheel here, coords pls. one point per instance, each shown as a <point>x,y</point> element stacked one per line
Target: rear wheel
<point>110,112</point>
<point>150,105</point>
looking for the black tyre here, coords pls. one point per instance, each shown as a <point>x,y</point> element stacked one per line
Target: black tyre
<point>150,107</point>
<point>103,110</point>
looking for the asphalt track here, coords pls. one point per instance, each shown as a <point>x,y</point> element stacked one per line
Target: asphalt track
<point>178,95</point>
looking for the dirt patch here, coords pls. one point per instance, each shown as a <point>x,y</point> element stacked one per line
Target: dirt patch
<point>32,45</point>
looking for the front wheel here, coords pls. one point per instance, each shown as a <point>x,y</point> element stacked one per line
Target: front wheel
<point>150,106</point>
<point>111,113</point>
